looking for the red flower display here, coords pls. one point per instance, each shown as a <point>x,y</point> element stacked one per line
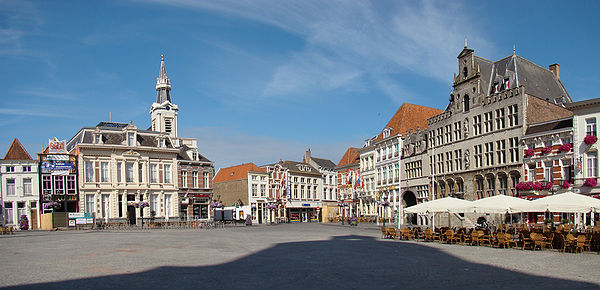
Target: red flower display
<point>590,139</point>
<point>590,182</point>
<point>565,147</point>
<point>547,149</point>
<point>529,152</point>
<point>566,184</point>
<point>531,185</point>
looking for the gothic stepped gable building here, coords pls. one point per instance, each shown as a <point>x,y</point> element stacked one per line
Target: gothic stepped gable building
<point>20,187</point>
<point>387,147</point>
<point>475,146</point>
<point>348,172</point>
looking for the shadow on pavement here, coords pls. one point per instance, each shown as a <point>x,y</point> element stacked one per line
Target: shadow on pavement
<point>342,262</point>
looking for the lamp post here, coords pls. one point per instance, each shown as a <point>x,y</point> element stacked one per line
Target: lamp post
<point>385,203</point>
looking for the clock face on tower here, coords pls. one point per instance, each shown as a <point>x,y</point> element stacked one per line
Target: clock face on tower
<point>168,108</point>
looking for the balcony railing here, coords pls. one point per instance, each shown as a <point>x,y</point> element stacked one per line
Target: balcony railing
<point>502,191</point>
<point>490,192</point>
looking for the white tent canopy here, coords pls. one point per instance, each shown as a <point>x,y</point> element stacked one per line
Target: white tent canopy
<point>446,204</point>
<point>565,202</point>
<point>495,204</point>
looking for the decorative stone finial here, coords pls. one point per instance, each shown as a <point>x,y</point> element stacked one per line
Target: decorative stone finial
<point>465,42</point>
<point>162,57</point>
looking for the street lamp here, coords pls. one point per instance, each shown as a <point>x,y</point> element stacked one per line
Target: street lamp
<point>385,203</point>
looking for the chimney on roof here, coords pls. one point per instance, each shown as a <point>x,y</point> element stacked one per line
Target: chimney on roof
<point>555,69</point>
<point>307,156</point>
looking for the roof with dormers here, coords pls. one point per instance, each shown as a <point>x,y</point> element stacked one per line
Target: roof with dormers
<point>16,151</point>
<point>409,117</point>
<point>351,156</point>
<point>236,172</point>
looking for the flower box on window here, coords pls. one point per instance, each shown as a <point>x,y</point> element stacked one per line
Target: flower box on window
<point>565,147</point>
<point>547,149</point>
<point>529,152</point>
<point>566,184</point>
<point>590,139</point>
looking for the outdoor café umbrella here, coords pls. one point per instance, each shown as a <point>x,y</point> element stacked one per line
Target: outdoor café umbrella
<point>446,204</point>
<point>495,204</point>
<point>565,202</point>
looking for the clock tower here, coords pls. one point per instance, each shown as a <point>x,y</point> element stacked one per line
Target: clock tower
<point>163,112</point>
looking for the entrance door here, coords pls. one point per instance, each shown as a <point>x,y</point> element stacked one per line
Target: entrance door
<point>260,216</point>
<point>131,214</point>
<point>304,216</point>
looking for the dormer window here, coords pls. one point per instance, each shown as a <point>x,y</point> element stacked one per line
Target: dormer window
<point>97,139</point>
<point>130,139</point>
<point>194,155</point>
<point>386,132</point>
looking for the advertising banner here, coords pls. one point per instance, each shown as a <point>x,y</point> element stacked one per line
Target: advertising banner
<point>57,146</point>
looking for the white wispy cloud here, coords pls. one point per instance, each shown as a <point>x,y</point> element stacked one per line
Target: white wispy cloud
<point>18,19</point>
<point>47,93</point>
<point>34,112</point>
<point>351,42</point>
<point>228,147</point>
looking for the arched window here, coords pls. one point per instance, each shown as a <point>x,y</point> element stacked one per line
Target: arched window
<point>465,72</point>
<point>466,103</point>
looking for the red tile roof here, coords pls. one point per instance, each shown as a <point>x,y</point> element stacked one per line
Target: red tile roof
<point>236,172</point>
<point>410,116</point>
<point>16,151</point>
<point>351,156</point>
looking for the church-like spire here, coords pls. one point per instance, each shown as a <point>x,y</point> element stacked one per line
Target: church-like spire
<point>163,84</point>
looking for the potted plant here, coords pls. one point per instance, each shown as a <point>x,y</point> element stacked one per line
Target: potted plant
<point>566,184</point>
<point>24,223</point>
<point>590,139</point>
<point>548,221</point>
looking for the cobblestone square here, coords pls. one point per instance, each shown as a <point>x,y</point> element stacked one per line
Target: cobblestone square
<point>278,256</point>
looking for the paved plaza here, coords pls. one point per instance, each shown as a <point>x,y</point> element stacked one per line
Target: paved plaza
<point>279,256</point>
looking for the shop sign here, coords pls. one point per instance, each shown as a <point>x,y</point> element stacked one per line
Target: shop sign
<point>201,195</point>
<point>57,146</point>
<point>306,204</point>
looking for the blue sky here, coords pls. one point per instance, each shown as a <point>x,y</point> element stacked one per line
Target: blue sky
<point>257,81</point>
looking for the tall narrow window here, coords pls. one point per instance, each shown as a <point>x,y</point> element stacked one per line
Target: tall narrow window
<point>184,182</point>
<point>119,171</point>
<point>89,171</point>
<point>167,168</point>
<point>27,186</point>
<point>531,172</point>
<point>89,203</point>
<point>168,125</point>
<point>129,172</point>
<point>590,127</point>
<point>71,187</point>
<point>548,171</point>
<point>154,203</point>
<point>466,101</point>
<point>103,171</point>
<point>592,164</point>
<point>153,173</point>
<point>195,179</point>
<point>10,187</point>
<point>206,180</point>
<point>140,173</point>
<point>168,211</point>
<point>59,184</point>
<point>254,190</point>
